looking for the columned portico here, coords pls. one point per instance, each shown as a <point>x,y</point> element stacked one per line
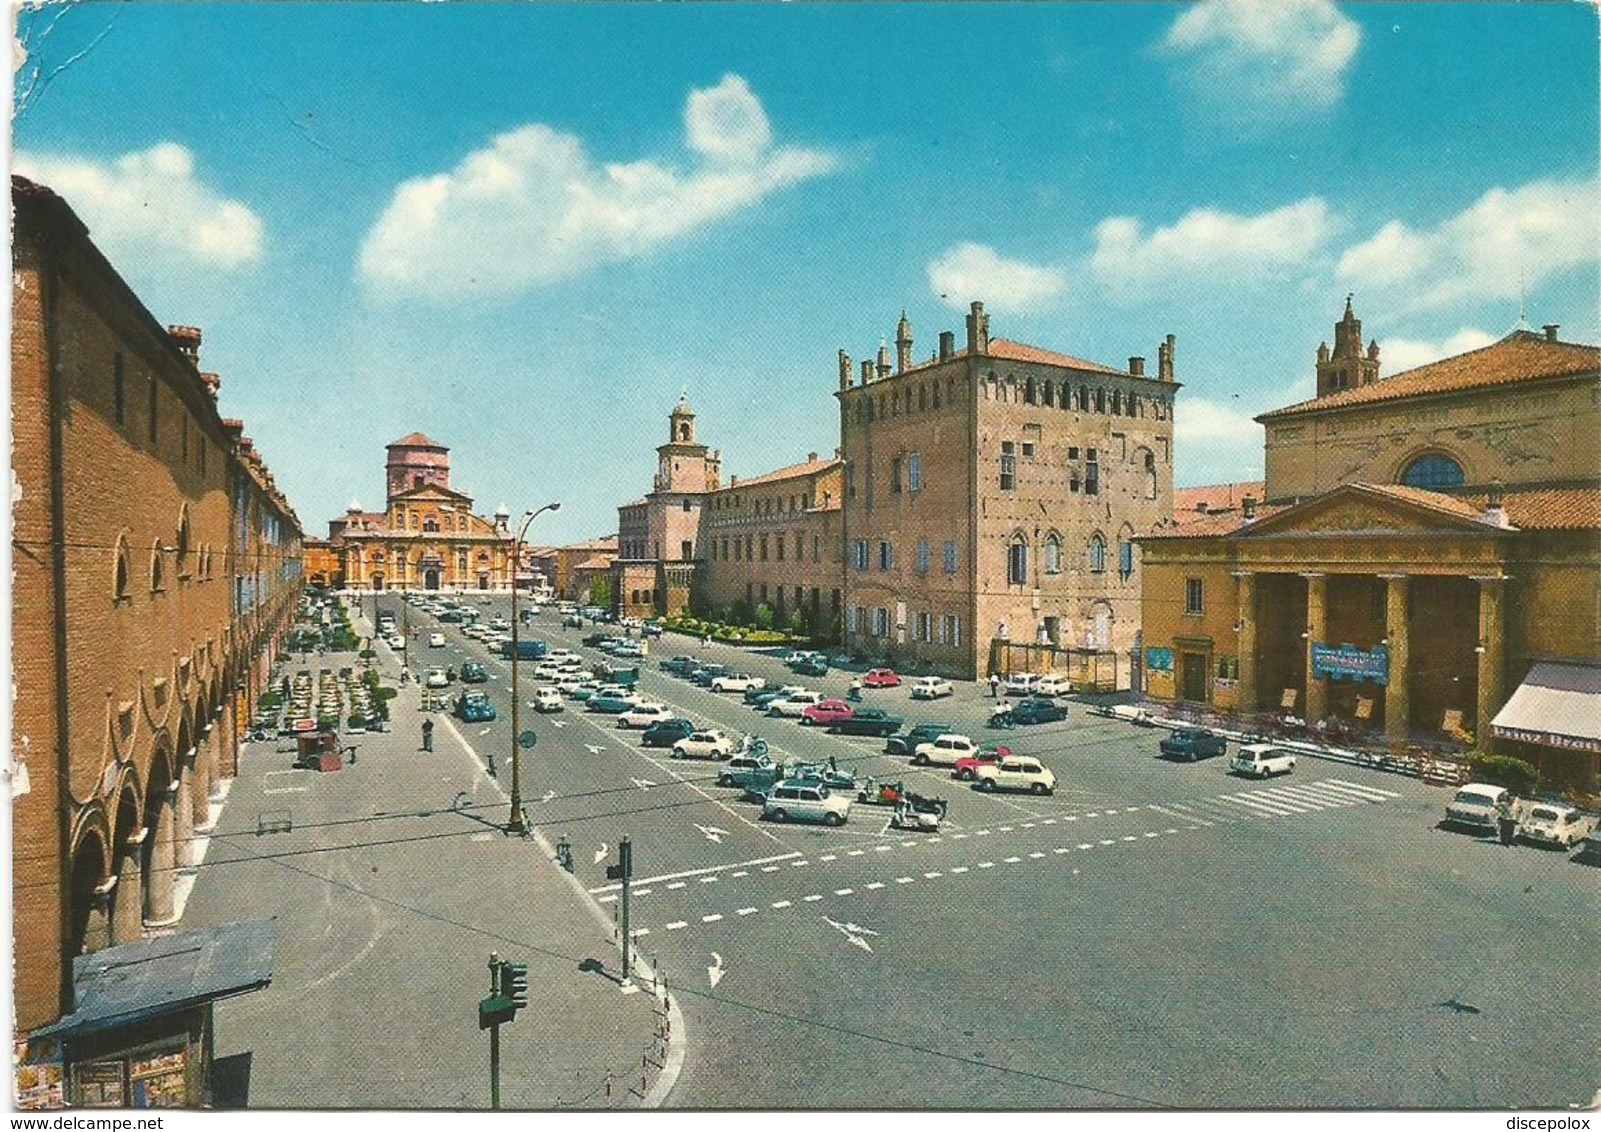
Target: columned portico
<point>127,914</point>
<point>163,860</point>
<point>1316,629</point>
<point>1397,698</point>
<point>183,813</point>
<point>1245,602</point>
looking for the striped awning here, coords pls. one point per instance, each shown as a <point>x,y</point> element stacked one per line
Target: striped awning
<point>1557,705</point>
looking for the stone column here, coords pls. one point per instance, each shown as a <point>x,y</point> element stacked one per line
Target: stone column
<point>97,928</point>
<point>1397,693</point>
<point>1492,654</point>
<point>127,913</point>
<point>205,771</point>
<point>163,860</point>
<point>1316,706</point>
<point>1245,620</point>
<point>183,813</point>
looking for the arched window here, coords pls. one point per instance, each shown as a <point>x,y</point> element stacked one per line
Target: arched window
<point>1083,398</point>
<point>1100,400</point>
<point>1030,392</point>
<point>430,525</point>
<point>1017,561</point>
<point>158,572</point>
<point>683,431</point>
<point>119,577</point>
<point>1433,472</point>
<point>1150,475</point>
<point>1097,554</point>
<point>1117,402</point>
<point>895,404</point>
<point>1053,553</point>
<point>936,395</point>
<point>183,541</point>
<point>922,398</point>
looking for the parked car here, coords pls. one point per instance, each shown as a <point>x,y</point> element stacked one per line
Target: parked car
<point>811,666</point>
<point>680,665</point>
<point>760,699</point>
<point>706,673</point>
<point>989,754</point>
<point>1038,709</point>
<point>643,715</point>
<point>610,704</point>
<point>1260,760</point>
<point>868,721</point>
<point>436,640</point>
<point>548,699</point>
<point>472,672</point>
<point>743,770</point>
<point>628,649</point>
<point>436,678</point>
<point>1015,773</point>
<point>826,713</point>
<point>474,707</point>
<point>594,640</point>
<point>1188,744</point>
<point>944,750</point>
<point>793,800</point>
<point>1590,852</point>
<point>932,688</point>
<point>499,624</point>
<point>922,733</point>
<point>881,678</point>
<point>708,744</point>
<point>666,732</point>
<point>571,682</point>
<point>620,691</point>
<point>795,704</point>
<point>736,682</point>
<point>527,649</point>
<point>1053,685</point>
<point>1022,683</point>
<point>1474,805</point>
<point>1555,824</point>
<point>801,657</point>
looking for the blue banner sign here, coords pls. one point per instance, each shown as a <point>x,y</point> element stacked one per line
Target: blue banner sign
<point>1347,662</point>
<point>1159,660</point>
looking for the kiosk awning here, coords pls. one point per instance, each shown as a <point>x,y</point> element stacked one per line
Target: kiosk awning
<point>118,986</point>
<point>1557,705</point>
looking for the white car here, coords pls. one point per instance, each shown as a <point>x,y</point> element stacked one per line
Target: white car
<point>436,640</point>
<point>932,688</point>
<point>436,678</point>
<point>708,744</point>
<point>737,683</point>
<point>628,648</point>
<point>561,654</point>
<point>396,641</point>
<point>499,624</point>
<point>795,704</point>
<point>1022,683</point>
<point>1053,685</point>
<point>944,751</point>
<point>619,692</point>
<point>1475,805</point>
<point>795,800</point>
<point>548,699</point>
<point>573,681</point>
<point>643,715</point>
<point>1550,823</point>
<point>1260,760</point>
<point>1015,773</point>
<point>547,670</point>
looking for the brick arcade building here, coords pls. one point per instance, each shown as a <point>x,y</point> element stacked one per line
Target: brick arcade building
<point>156,566</point>
<point>1426,564</point>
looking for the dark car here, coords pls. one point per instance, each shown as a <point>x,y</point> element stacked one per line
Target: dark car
<point>666,732</point>
<point>706,673</point>
<point>680,665</point>
<point>474,707</point>
<point>527,649</point>
<point>451,615</point>
<point>473,673</point>
<point>811,666</point>
<point>760,698</point>
<point>1037,709</point>
<point>922,733</point>
<point>868,721</point>
<point>1189,743</point>
<point>595,639</point>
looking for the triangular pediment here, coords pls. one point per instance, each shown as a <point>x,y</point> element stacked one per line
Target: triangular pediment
<point>431,492</point>
<point>1377,508</point>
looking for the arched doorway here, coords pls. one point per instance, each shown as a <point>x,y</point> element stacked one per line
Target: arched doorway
<point>91,923</point>
<point>430,578</point>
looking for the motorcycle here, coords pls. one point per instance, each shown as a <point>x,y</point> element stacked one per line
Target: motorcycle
<point>1002,718</point>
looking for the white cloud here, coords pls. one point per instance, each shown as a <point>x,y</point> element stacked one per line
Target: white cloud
<point>534,207</point>
<point>151,204</point>
<point>1504,241</point>
<point>1215,443</point>
<point>1397,355</point>
<point>1208,242</point>
<point>1264,58</point>
<point>969,271</point>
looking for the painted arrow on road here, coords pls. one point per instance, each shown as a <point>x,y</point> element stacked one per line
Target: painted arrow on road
<point>715,972</point>
<point>600,854</point>
<point>486,731</point>
<point>557,723</point>
<point>592,749</point>
<point>549,794</point>
<point>713,834</point>
<point>643,783</point>
<point>854,933</point>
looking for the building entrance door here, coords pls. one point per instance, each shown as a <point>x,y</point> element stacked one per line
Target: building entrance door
<point>1192,676</point>
<point>377,581</point>
<point>430,579</point>
<point>483,581</point>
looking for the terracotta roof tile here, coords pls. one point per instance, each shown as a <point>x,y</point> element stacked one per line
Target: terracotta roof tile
<point>595,562</point>
<point>1438,501</point>
<point>810,467</point>
<point>1550,509</point>
<point>1007,350</point>
<point>1209,526</point>
<point>1520,356</point>
<point>416,440</point>
<point>1193,503</point>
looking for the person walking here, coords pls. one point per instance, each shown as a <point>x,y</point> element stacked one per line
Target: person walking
<point>1505,819</point>
<point>428,735</point>
<point>995,686</point>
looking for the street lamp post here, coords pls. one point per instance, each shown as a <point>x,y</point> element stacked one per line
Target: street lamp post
<point>516,824</point>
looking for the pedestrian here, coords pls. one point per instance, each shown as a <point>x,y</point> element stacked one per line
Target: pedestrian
<point>428,735</point>
<point>995,686</point>
<point>1506,821</point>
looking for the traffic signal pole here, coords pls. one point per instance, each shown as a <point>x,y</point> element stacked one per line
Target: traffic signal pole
<point>623,870</point>
<point>494,1036</point>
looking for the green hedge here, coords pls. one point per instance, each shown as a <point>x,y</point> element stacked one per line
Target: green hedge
<point>1503,770</point>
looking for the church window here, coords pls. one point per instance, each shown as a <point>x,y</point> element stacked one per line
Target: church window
<point>1433,472</point>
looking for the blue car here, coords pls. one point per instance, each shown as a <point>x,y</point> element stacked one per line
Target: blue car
<point>609,705</point>
<point>474,707</point>
<point>1037,709</point>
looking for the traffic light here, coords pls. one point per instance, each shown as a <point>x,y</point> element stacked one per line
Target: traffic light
<point>625,857</point>
<point>514,983</point>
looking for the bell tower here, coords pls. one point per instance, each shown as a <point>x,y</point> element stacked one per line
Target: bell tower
<point>682,464</point>
<point>1348,366</point>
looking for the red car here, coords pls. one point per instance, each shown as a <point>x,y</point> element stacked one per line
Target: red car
<point>881,678</point>
<point>826,714</point>
<point>988,755</point>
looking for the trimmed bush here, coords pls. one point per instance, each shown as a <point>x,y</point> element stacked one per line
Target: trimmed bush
<point>1503,770</point>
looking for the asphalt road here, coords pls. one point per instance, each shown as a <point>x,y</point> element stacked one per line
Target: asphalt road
<point>1154,934</point>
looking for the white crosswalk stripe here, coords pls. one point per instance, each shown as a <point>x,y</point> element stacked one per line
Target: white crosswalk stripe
<point>1362,789</point>
<point>1258,805</point>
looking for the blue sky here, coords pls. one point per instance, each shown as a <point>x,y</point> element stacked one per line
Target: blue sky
<point>527,229</point>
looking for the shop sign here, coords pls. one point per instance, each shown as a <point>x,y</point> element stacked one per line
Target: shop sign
<point>1547,739</point>
<point>1347,662</point>
<point>39,1074</point>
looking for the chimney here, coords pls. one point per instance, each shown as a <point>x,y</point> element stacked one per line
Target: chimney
<point>1136,367</point>
<point>867,370</point>
<point>883,360</point>
<point>978,330</point>
<point>212,382</point>
<point>1494,508</point>
<point>1164,360</point>
<point>844,370</point>
<point>947,345</point>
<point>1248,507</point>
<point>811,457</point>
<point>1551,329</point>
<point>187,339</point>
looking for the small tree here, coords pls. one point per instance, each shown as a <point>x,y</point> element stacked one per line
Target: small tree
<point>764,616</point>
<point>1503,770</point>
<point>600,591</point>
